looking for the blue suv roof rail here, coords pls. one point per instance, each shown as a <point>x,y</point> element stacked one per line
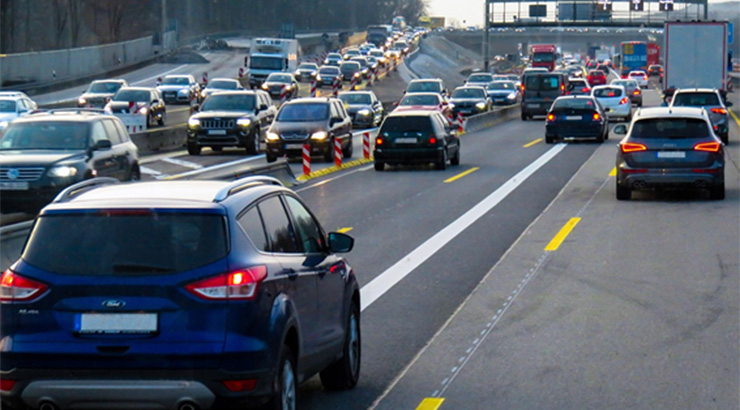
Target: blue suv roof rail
<point>244,183</point>
<point>73,190</point>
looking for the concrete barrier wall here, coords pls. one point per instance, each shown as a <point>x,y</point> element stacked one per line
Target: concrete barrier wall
<point>488,119</point>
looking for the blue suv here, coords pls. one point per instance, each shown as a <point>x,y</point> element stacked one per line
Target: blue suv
<point>178,295</point>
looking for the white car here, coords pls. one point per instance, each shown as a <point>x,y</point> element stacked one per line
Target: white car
<point>640,76</point>
<point>221,84</point>
<point>14,106</point>
<point>615,101</point>
<point>179,88</point>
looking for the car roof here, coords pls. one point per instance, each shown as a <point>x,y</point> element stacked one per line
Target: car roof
<point>136,88</point>
<point>110,80</point>
<point>237,92</point>
<point>575,97</point>
<point>423,80</point>
<point>468,87</point>
<point>355,92</point>
<point>671,112</point>
<point>412,113</point>
<point>695,90</point>
<point>178,76</point>
<point>231,80</point>
<point>305,100</point>
<point>426,93</point>
<point>603,86</point>
<point>64,115</point>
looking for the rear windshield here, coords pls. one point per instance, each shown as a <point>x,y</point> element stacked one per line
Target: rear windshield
<point>407,124</point>
<point>574,103</point>
<point>356,98</point>
<point>675,128</point>
<point>117,244</point>
<point>425,86</point>
<point>104,87</point>
<point>695,99</point>
<point>304,112</point>
<point>542,82</point>
<point>229,102</point>
<point>46,136</point>
<point>608,92</point>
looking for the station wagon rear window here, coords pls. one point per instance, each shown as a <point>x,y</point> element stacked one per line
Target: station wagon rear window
<point>671,128</point>
<point>695,99</point>
<point>134,242</point>
<point>407,124</point>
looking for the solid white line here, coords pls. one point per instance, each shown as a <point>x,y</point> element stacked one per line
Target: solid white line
<point>149,171</point>
<point>182,163</point>
<point>158,75</point>
<point>391,276</point>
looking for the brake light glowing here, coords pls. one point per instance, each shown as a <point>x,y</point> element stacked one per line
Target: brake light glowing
<point>644,77</point>
<point>16,288</point>
<point>234,285</point>
<point>432,140</point>
<point>719,111</point>
<point>632,147</point>
<point>378,141</point>
<point>596,116</point>
<point>240,385</point>
<point>551,117</point>
<point>708,146</point>
<point>624,100</point>
<point>585,90</point>
<point>636,92</point>
<point>6,385</point>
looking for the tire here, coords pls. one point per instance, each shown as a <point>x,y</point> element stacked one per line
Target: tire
<point>161,120</point>
<point>456,159</point>
<point>379,165</point>
<point>441,163</point>
<point>270,158</point>
<point>600,138</point>
<point>347,152</point>
<point>524,116</point>
<point>725,138</point>
<point>284,385</point>
<point>134,174</point>
<point>217,149</point>
<point>194,149</point>
<point>329,154</point>
<point>606,133</point>
<point>345,372</point>
<point>549,139</point>
<point>717,192</point>
<point>253,146</point>
<point>623,193</point>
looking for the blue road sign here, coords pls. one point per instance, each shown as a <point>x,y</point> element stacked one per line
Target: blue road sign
<point>730,29</point>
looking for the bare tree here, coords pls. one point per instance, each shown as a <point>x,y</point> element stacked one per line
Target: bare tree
<point>76,8</point>
<point>61,16</point>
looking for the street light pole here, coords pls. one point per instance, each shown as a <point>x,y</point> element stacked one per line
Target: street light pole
<point>486,34</point>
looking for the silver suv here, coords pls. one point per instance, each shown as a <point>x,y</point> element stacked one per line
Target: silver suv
<point>711,101</point>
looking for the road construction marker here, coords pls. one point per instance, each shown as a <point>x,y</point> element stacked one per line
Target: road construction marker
<point>430,403</point>
<point>460,175</point>
<point>560,237</point>
<point>532,143</point>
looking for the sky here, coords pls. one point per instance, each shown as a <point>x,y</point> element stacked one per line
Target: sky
<point>471,11</point>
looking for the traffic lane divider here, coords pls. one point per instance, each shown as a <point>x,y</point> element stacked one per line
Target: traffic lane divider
<point>564,232</point>
<point>333,169</point>
<point>430,403</point>
<point>160,139</point>
<point>538,140</point>
<point>460,175</point>
<point>488,119</point>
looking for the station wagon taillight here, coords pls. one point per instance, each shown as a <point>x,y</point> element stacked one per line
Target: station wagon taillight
<point>632,147</point>
<point>707,146</point>
<point>551,117</point>
<point>719,111</point>
<point>596,116</point>
<point>624,100</point>
<point>241,284</point>
<point>16,288</point>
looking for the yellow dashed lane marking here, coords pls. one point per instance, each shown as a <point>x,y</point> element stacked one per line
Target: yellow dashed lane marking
<point>532,143</point>
<point>460,175</point>
<point>430,404</point>
<point>345,229</point>
<point>613,173</point>
<point>734,117</point>
<point>560,237</point>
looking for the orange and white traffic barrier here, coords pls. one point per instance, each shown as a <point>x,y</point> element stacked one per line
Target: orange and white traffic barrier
<point>335,87</point>
<point>283,94</point>
<point>449,118</point>
<point>353,83</point>
<point>306,159</point>
<point>337,153</point>
<point>313,88</point>
<point>159,81</point>
<point>460,122</point>
<point>241,72</point>
<point>205,78</point>
<point>366,145</point>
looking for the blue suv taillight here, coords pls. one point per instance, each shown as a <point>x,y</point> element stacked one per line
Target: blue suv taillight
<point>16,288</point>
<point>241,284</point>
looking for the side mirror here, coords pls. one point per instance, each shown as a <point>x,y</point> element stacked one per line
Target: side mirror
<point>334,120</point>
<point>195,107</point>
<point>620,129</point>
<point>340,242</point>
<point>102,145</point>
<point>263,107</point>
<point>155,102</point>
<point>729,104</point>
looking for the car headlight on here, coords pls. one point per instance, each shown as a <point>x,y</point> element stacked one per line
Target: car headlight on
<point>204,94</point>
<point>3,124</point>
<point>81,101</point>
<point>244,122</point>
<point>264,86</point>
<point>319,135</point>
<point>193,123</point>
<point>272,136</point>
<point>480,105</point>
<point>289,87</point>
<point>364,112</point>
<point>298,72</point>
<point>143,110</point>
<point>357,74</point>
<point>511,96</point>
<point>63,171</point>
<point>183,92</point>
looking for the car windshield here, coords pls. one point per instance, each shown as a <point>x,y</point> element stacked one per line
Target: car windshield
<point>502,85</point>
<point>574,103</point>
<point>140,244</point>
<point>304,112</point>
<point>176,81</point>
<point>222,85</point>
<point>279,78</point>
<point>305,66</point>
<point>350,67</point>
<point>424,86</point>
<point>266,63</point>
<point>608,92</point>
<point>229,102</point>
<point>132,95</point>
<point>420,99</point>
<point>480,78</point>
<point>695,99</point>
<point>356,98</point>
<point>671,128</point>
<point>469,93</point>
<point>543,57</point>
<point>7,106</point>
<point>104,87</point>
<point>329,71</point>
<point>62,135</point>
<point>406,124</point>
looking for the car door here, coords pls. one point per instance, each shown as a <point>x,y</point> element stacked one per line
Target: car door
<point>443,130</point>
<point>118,150</point>
<point>330,274</point>
<point>342,129</point>
<point>102,160</point>
<point>298,278</point>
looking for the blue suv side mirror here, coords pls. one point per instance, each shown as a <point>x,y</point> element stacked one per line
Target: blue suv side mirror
<point>340,242</point>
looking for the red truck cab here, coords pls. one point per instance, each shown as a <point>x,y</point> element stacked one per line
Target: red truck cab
<point>543,55</point>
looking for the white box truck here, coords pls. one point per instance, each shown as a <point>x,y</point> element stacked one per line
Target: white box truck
<point>271,55</point>
<point>695,55</point>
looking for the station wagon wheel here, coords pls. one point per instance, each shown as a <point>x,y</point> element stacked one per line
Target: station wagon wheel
<point>134,174</point>
<point>285,383</point>
<point>345,372</point>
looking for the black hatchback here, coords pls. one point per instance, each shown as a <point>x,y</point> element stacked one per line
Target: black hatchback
<point>576,117</point>
<point>416,137</point>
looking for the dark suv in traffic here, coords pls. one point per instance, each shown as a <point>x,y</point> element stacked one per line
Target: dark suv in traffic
<point>177,295</point>
<point>43,153</point>
<point>317,122</point>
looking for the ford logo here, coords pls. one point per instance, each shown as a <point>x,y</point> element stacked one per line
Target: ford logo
<point>113,304</point>
<point>13,173</point>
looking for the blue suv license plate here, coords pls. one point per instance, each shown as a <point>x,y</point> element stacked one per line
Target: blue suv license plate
<point>117,323</point>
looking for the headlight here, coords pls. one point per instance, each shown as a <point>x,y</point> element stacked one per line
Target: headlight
<point>63,171</point>
<point>511,96</point>
<point>193,122</point>
<point>319,135</point>
<point>3,124</point>
<point>272,136</point>
<point>203,94</point>
<point>244,122</point>
<point>298,72</point>
<point>143,110</point>
<point>289,87</point>
<point>357,74</point>
<point>364,112</point>
<point>264,86</point>
<point>183,92</point>
<point>480,105</point>
<point>82,101</point>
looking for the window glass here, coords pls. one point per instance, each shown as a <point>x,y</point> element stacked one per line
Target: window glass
<point>541,83</point>
<point>406,124</point>
<point>251,222</point>
<point>45,135</point>
<point>674,128</point>
<point>112,132</point>
<point>304,112</point>
<point>608,92</point>
<point>98,132</point>
<point>277,226</point>
<point>695,99</point>
<point>309,232</point>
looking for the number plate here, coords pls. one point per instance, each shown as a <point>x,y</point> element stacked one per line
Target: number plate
<point>14,186</point>
<point>573,117</point>
<point>104,323</point>
<point>533,105</point>
<point>406,140</point>
<point>671,154</point>
<point>216,132</point>
<point>293,146</point>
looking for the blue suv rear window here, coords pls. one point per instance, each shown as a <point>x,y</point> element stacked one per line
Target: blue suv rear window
<point>126,243</point>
